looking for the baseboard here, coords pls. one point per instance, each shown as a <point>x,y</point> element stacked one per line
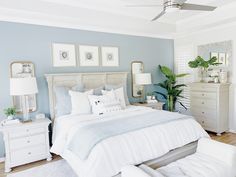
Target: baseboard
<point>2,159</point>
<point>232,131</point>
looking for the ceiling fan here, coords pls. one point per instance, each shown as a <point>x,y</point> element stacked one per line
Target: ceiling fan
<point>174,5</point>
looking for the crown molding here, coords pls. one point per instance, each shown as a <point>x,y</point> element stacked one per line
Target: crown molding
<point>36,18</point>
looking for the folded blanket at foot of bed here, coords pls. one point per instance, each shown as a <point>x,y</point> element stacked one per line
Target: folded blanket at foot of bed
<point>212,159</point>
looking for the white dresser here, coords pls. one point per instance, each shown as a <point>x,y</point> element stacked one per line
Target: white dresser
<point>210,105</point>
<point>26,142</point>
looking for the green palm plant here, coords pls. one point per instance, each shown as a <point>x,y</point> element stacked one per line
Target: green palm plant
<point>173,90</point>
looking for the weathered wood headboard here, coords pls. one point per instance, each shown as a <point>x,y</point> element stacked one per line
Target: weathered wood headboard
<point>90,81</point>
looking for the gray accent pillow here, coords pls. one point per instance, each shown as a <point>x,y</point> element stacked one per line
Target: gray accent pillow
<point>109,87</point>
<point>98,90</point>
<point>63,100</point>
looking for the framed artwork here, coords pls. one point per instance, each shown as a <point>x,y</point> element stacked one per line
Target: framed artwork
<point>23,69</point>
<point>215,54</point>
<point>88,55</point>
<point>222,58</point>
<point>64,55</point>
<point>110,56</point>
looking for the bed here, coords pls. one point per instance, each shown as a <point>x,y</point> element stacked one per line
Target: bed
<point>155,145</point>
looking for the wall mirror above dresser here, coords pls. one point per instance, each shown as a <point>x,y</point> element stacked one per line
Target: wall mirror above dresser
<point>136,68</point>
<point>22,69</point>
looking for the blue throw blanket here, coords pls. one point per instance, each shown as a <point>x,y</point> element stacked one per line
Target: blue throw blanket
<point>87,136</point>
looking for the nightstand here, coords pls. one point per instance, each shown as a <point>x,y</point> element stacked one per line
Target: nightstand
<point>26,142</point>
<point>158,105</point>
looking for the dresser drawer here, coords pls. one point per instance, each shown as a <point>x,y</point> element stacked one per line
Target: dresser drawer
<point>204,95</point>
<point>28,155</point>
<point>19,143</point>
<point>203,103</point>
<point>205,113</point>
<point>207,124</point>
<point>203,88</point>
<point>22,132</point>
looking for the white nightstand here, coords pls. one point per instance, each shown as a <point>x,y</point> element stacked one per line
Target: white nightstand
<point>26,143</point>
<point>158,105</point>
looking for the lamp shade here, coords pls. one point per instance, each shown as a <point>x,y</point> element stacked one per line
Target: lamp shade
<point>143,79</point>
<point>23,86</point>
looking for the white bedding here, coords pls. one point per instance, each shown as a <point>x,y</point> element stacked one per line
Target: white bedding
<point>107,157</point>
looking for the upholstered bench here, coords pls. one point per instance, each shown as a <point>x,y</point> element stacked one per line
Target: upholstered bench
<point>212,159</point>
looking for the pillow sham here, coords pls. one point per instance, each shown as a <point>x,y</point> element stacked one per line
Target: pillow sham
<point>104,104</point>
<point>110,87</point>
<point>119,94</point>
<point>79,102</point>
<point>63,100</point>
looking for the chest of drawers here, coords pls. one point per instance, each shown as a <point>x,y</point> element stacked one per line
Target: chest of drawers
<point>209,105</point>
<point>26,142</point>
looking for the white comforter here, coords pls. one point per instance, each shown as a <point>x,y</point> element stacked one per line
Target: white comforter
<point>109,156</point>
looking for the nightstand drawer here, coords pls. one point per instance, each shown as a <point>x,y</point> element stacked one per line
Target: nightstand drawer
<point>27,155</point>
<point>27,141</point>
<point>203,103</point>
<point>22,132</point>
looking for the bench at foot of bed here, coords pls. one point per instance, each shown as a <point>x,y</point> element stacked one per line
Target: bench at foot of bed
<point>212,159</point>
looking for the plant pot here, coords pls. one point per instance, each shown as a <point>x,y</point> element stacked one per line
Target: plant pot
<point>149,97</point>
<point>202,73</point>
<point>10,117</point>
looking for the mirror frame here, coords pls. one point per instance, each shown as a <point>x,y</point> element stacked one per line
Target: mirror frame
<point>134,87</point>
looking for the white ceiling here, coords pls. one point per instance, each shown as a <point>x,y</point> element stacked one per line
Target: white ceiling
<point>103,15</point>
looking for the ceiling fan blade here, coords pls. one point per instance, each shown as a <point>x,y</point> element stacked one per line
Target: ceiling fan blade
<point>143,5</point>
<point>158,16</point>
<point>180,1</point>
<point>187,6</point>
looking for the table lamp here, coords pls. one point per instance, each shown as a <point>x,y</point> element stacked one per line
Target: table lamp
<point>143,79</point>
<point>23,87</point>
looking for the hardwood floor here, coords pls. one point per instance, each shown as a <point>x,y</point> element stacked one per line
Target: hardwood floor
<point>229,138</point>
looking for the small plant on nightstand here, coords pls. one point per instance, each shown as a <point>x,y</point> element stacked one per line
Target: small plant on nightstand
<point>10,113</point>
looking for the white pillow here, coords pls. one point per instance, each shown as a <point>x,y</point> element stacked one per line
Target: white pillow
<point>79,102</point>
<point>120,95</point>
<point>104,104</point>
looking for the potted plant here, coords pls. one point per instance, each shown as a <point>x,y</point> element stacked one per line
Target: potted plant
<point>202,65</point>
<point>10,113</point>
<point>173,90</point>
<point>149,96</point>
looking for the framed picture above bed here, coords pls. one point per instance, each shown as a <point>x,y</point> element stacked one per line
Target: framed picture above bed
<point>88,55</point>
<point>110,56</point>
<point>64,55</point>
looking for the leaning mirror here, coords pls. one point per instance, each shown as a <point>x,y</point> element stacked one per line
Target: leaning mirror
<point>19,70</point>
<point>136,67</point>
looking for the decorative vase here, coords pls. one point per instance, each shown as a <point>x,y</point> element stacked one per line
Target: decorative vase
<point>202,72</point>
<point>170,103</point>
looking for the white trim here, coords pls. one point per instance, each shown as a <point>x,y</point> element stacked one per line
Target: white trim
<point>232,131</point>
<point>21,16</point>
<point>2,159</point>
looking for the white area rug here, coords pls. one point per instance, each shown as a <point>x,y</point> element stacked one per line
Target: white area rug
<point>55,169</point>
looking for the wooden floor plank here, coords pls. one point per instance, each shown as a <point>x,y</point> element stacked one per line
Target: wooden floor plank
<point>229,138</point>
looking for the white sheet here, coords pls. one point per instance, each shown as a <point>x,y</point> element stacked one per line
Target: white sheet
<point>107,158</point>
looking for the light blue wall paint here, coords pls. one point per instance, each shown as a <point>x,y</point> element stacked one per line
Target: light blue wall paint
<point>33,43</point>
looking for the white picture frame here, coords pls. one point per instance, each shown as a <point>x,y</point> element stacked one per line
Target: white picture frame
<point>64,55</point>
<point>88,55</point>
<point>110,56</point>
<point>222,59</point>
<point>215,54</point>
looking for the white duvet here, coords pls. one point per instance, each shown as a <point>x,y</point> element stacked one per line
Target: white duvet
<point>109,156</point>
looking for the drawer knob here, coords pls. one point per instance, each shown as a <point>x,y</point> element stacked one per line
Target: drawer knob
<point>203,103</point>
<point>203,112</point>
<point>27,130</point>
<point>28,141</point>
<point>29,153</point>
<point>203,122</point>
<point>203,94</point>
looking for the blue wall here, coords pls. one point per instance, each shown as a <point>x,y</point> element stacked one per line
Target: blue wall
<point>33,43</point>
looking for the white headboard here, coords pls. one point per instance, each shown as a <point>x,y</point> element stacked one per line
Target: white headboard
<point>90,81</point>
